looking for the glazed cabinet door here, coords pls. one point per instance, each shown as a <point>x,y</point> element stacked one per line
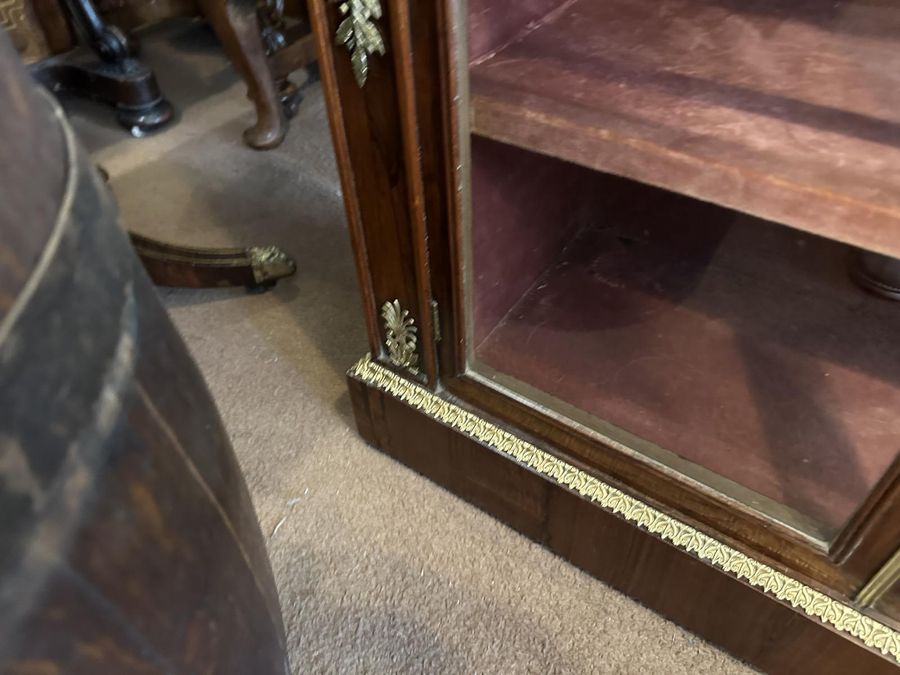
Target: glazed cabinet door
<point>677,233</point>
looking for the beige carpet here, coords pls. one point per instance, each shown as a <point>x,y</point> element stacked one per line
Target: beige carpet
<point>379,570</point>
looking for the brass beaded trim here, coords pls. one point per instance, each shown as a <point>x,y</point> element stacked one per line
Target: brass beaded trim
<point>814,603</point>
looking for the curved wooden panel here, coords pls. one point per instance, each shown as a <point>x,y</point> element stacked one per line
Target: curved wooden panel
<point>128,543</point>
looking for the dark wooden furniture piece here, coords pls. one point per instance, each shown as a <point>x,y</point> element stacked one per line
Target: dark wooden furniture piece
<point>256,268</point>
<point>607,252</point>
<point>128,542</point>
<point>264,45</point>
<point>105,68</point>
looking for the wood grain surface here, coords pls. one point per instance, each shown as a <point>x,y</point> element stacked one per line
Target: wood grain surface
<point>788,111</point>
<point>128,542</point>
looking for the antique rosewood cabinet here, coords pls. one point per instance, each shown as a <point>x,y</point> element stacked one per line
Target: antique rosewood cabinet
<point>630,277</point>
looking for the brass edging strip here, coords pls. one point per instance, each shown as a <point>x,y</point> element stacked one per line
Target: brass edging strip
<point>814,603</point>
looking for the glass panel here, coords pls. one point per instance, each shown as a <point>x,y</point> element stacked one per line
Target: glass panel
<point>659,192</point>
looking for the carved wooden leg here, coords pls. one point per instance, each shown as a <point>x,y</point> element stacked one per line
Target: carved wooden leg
<point>236,24</point>
<point>257,267</point>
<point>186,267</point>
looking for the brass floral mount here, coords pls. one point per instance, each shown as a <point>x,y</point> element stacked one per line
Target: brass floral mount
<point>400,331</point>
<point>360,35</point>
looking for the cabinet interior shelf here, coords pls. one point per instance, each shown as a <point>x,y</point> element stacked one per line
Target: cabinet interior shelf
<point>784,110</point>
<point>739,348</point>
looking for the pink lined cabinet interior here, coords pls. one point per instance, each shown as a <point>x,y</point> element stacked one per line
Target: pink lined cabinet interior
<point>667,201</point>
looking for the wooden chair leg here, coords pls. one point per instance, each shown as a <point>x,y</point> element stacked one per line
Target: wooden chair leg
<point>257,267</point>
<point>237,26</point>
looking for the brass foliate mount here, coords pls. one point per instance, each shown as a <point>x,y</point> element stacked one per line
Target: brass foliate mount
<point>360,35</point>
<point>400,340</point>
<point>270,263</point>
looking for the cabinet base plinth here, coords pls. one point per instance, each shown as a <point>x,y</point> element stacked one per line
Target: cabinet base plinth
<point>741,604</point>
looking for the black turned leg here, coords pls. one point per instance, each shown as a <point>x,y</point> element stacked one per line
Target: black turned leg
<point>109,43</point>
<point>279,40</point>
<point>118,78</point>
<point>293,48</point>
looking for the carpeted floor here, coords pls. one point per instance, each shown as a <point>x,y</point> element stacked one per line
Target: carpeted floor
<point>379,570</point>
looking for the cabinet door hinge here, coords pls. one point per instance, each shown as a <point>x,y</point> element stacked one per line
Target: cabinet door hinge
<point>435,321</point>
